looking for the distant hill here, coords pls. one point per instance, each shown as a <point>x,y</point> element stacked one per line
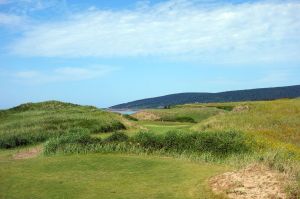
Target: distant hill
<point>228,96</point>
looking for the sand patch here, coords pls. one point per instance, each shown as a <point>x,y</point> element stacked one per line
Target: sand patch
<point>28,153</point>
<point>240,108</point>
<point>255,182</point>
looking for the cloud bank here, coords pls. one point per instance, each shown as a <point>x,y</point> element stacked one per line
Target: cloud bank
<point>261,31</point>
<point>61,74</point>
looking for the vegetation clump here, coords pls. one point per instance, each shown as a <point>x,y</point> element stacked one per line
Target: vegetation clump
<point>117,137</point>
<point>74,136</point>
<point>179,119</point>
<point>129,117</point>
<point>216,143</point>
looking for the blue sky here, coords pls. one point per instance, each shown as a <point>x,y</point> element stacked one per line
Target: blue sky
<point>107,52</point>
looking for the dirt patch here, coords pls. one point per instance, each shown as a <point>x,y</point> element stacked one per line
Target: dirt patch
<point>28,153</point>
<point>144,115</point>
<point>253,182</point>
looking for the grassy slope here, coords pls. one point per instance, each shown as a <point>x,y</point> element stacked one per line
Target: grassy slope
<point>31,123</point>
<point>277,121</point>
<point>103,176</point>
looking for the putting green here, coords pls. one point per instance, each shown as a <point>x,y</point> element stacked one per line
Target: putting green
<point>104,176</point>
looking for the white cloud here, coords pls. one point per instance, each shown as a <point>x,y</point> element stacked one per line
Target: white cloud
<point>3,2</point>
<point>10,19</point>
<point>62,74</point>
<point>27,74</point>
<point>265,31</point>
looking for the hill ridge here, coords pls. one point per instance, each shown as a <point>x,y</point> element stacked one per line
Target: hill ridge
<point>255,94</point>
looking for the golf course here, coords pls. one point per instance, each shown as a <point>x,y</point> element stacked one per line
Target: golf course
<point>61,150</point>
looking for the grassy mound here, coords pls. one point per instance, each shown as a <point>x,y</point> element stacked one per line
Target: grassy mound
<point>35,122</point>
<point>276,121</point>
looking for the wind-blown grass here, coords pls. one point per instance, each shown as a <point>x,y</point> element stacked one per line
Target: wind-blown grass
<point>216,143</point>
<point>274,121</point>
<point>32,123</point>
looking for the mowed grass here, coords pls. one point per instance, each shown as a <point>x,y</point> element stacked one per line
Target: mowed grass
<point>159,127</point>
<point>36,122</point>
<point>104,176</point>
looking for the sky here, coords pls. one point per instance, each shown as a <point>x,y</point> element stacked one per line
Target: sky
<point>106,52</point>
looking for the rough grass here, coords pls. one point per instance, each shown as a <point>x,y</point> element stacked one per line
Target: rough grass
<point>219,144</point>
<point>185,114</point>
<point>32,123</point>
<point>277,120</point>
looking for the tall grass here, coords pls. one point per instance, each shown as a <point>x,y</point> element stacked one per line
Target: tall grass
<point>32,123</point>
<point>217,143</point>
<point>277,120</point>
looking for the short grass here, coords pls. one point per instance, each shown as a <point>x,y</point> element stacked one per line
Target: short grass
<point>36,122</point>
<point>104,176</point>
<point>159,127</point>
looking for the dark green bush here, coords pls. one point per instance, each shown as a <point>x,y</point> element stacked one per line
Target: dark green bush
<point>148,140</point>
<point>179,119</point>
<point>117,137</point>
<point>74,136</point>
<point>129,117</point>
<point>216,143</point>
<point>219,143</point>
<point>222,142</point>
<point>14,139</point>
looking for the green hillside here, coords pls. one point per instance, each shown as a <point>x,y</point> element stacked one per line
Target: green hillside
<point>36,122</point>
<point>85,152</point>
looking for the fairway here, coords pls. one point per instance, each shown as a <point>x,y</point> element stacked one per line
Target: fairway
<point>104,176</point>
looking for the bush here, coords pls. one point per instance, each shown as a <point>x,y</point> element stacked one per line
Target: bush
<point>222,143</point>
<point>179,119</point>
<point>218,143</point>
<point>148,140</point>
<point>117,137</point>
<point>12,139</point>
<point>129,117</point>
<point>75,136</point>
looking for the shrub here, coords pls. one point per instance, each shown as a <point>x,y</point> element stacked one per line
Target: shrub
<point>148,140</point>
<point>176,140</point>
<point>178,119</point>
<point>117,137</point>
<point>75,136</point>
<point>129,117</point>
<point>218,143</point>
<point>222,143</point>
<point>12,139</point>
